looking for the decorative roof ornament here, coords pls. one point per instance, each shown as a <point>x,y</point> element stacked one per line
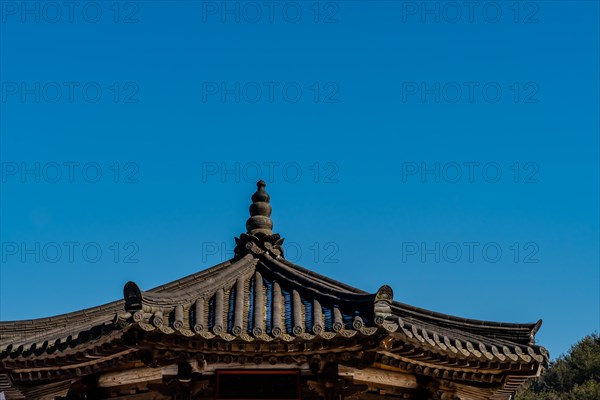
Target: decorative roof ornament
<point>260,212</point>
<point>259,237</point>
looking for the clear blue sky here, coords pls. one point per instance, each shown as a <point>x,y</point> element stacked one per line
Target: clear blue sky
<point>380,128</point>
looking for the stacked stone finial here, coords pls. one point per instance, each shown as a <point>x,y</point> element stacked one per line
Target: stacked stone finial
<point>259,238</point>
<point>260,212</point>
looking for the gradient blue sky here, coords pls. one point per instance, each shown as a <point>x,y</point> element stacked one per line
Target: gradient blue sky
<point>361,212</point>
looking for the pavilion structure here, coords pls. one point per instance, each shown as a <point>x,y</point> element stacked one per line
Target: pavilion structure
<point>260,327</point>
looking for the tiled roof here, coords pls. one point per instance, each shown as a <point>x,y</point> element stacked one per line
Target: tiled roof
<point>262,299</point>
<point>255,298</point>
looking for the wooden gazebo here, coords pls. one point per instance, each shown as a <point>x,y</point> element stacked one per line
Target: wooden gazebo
<point>260,327</point>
